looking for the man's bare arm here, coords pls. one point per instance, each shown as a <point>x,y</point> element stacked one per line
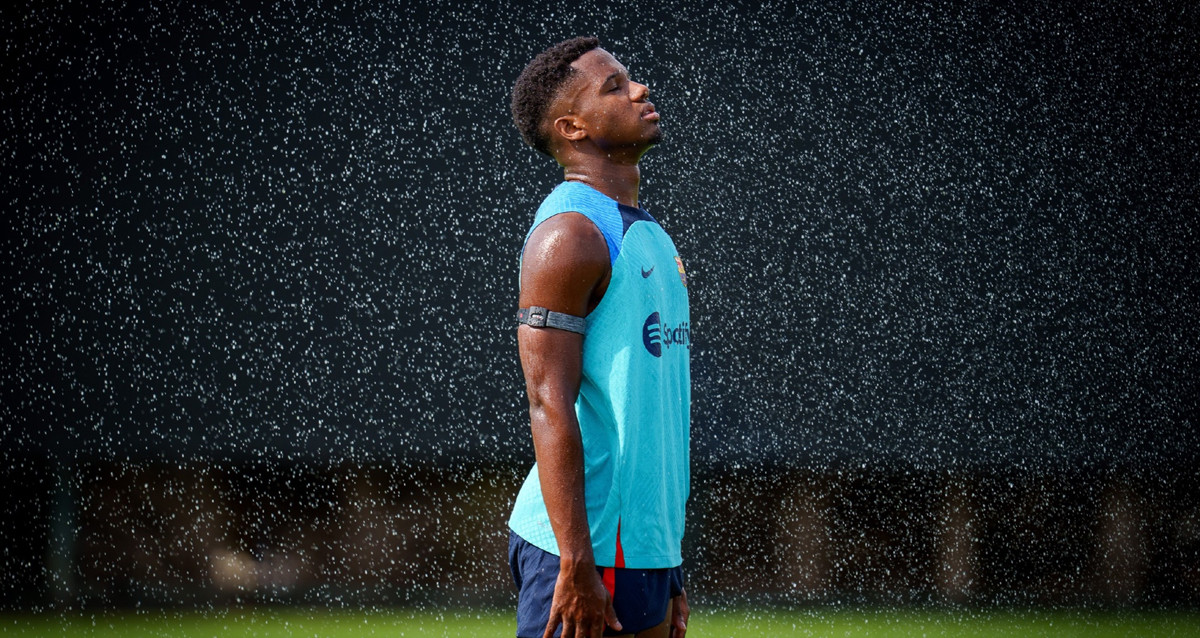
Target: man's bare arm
<point>679,615</point>
<point>565,268</point>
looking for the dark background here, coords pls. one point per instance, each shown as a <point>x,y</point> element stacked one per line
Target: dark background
<point>261,269</point>
<point>925,233</point>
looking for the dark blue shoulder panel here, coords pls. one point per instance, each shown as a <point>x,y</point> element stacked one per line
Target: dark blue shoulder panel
<point>629,215</point>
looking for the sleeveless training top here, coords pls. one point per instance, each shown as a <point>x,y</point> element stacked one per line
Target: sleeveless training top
<point>634,398</point>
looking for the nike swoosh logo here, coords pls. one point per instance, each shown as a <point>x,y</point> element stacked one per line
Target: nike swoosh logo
<point>646,273</point>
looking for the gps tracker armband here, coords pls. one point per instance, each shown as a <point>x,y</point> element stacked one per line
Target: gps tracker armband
<point>539,317</point>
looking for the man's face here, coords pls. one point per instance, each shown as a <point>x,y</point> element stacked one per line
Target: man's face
<point>613,107</point>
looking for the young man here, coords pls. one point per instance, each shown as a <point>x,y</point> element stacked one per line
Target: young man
<point>604,342</point>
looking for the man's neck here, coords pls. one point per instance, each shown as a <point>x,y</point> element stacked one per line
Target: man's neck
<point>618,181</point>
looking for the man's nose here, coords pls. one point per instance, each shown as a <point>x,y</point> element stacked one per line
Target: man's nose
<point>640,92</point>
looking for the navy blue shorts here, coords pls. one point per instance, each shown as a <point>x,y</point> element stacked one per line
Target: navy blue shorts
<point>640,596</point>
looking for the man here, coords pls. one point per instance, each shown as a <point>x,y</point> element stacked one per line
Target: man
<point>604,342</point>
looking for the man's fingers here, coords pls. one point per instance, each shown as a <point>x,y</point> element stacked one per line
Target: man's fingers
<point>555,619</point>
<point>679,616</point>
<point>596,630</point>
<point>678,627</point>
<point>610,616</point>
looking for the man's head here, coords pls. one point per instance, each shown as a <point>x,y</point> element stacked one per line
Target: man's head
<point>576,92</point>
<point>540,83</point>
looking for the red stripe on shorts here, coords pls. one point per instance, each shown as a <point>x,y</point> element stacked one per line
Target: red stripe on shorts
<point>609,574</point>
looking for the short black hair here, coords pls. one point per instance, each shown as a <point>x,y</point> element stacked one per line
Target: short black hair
<point>540,82</point>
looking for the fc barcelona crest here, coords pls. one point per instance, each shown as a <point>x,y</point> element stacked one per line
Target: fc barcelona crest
<point>682,274</point>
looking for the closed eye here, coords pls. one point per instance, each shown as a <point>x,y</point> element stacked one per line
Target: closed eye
<point>617,79</point>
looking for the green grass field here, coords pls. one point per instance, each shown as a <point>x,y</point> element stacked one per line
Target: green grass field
<point>266,623</point>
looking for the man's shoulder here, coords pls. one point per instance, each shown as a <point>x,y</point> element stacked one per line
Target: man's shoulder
<point>596,214</point>
<point>569,230</point>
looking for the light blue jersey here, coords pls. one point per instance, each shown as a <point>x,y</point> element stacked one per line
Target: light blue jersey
<point>634,398</point>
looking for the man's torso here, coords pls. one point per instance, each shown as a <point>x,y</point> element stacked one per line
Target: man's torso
<point>634,396</point>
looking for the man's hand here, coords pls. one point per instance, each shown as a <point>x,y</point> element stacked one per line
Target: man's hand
<point>581,603</point>
<point>679,615</point>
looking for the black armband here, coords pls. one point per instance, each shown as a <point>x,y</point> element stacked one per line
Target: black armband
<point>539,317</point>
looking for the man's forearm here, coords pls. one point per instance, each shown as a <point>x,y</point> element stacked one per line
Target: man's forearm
<point>559,449</point>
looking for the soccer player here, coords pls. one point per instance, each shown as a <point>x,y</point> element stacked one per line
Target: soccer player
<point>604,343</point>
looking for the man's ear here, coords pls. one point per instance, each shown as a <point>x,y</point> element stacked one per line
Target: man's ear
<point>570,128</point>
